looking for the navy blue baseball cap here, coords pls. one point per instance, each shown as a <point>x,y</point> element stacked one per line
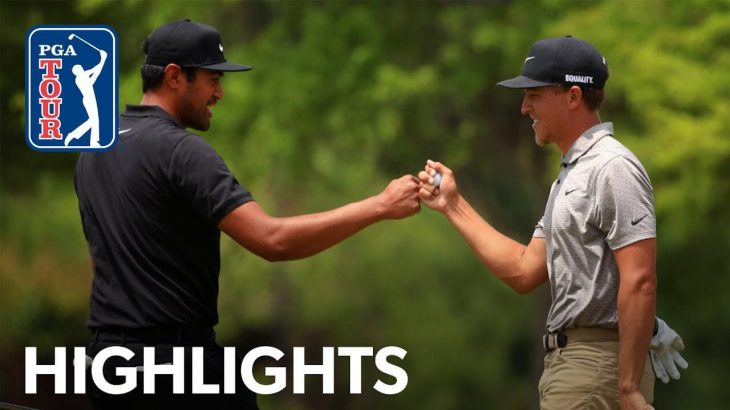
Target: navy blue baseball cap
<point>561,61</point>
<point>188,44</point>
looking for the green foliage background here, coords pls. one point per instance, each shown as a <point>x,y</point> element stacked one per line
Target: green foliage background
<point>348,95</point>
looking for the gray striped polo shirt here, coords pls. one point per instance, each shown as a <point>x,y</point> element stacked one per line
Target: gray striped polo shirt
<point>601,201</point>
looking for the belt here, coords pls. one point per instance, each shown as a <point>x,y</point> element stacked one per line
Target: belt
<point>552,341</point>
<point>155,334</point>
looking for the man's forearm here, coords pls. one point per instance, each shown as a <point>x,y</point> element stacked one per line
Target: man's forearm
<point>301,236</point>
<point>505,257</point>
<point>277,239</point>
<point>636,308</point>
<point>498,252</point>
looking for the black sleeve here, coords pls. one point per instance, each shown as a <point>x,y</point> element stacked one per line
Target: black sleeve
<point>199,173</point>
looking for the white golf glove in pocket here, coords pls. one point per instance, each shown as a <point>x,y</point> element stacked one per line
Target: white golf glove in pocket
<point>665,347</point>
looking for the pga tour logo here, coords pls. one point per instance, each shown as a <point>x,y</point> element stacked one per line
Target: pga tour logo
<point>71,88</point>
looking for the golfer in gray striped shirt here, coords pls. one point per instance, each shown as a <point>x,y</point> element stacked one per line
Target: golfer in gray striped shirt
<point>595,243</point>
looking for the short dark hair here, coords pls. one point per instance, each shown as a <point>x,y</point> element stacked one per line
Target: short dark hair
<point>592,97</point>
<point>152,76</point>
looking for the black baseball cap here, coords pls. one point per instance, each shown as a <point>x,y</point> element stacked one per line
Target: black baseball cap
<point>188,44</point>
<point>561,61</point>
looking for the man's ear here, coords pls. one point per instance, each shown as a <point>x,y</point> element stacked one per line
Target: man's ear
<point>575,97</point>
<point>173,76</point>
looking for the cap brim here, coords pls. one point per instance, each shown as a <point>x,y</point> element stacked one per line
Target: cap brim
<point>226,67</point>
<point>522,82</point>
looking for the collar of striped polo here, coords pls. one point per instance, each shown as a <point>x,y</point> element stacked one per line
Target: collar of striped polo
<point>584,143</point>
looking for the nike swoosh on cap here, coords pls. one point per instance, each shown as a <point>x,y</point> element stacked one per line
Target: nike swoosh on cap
<point>529,58</point>
<point>123,131</point>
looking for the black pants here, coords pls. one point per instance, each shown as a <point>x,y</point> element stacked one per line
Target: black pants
<point>163,396</point>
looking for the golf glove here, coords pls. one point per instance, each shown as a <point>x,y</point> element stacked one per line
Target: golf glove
<point>665,347</point>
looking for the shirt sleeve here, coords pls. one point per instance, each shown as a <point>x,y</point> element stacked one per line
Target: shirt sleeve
<point>201,175</point>
<point>624,208</point>
<point>539,231</point>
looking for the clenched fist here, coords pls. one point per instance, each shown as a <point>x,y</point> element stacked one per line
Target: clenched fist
<point>400,198</point>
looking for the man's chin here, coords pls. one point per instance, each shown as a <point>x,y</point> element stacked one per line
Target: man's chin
<point>201,126</point>
<point>539,141</point>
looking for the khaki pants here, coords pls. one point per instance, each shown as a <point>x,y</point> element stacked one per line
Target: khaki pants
<point>584,375</point>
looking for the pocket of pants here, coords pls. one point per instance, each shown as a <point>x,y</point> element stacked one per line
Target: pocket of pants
<point>585,356</point>
<point>548,362</point>
<point>549,358</point>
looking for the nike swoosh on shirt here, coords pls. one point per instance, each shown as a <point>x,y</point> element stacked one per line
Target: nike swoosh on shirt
<point>568,191</point>
<point>123,131</point>
<point>635,221</point>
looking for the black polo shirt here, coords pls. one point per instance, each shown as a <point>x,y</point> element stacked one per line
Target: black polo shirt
<point>150,209</point>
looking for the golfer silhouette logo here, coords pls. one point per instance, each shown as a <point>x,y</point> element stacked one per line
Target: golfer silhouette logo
<point>71,88</point>
<point>85,81</point>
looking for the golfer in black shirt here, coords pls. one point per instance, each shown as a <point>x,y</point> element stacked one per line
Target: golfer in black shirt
<point>152,210</point>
